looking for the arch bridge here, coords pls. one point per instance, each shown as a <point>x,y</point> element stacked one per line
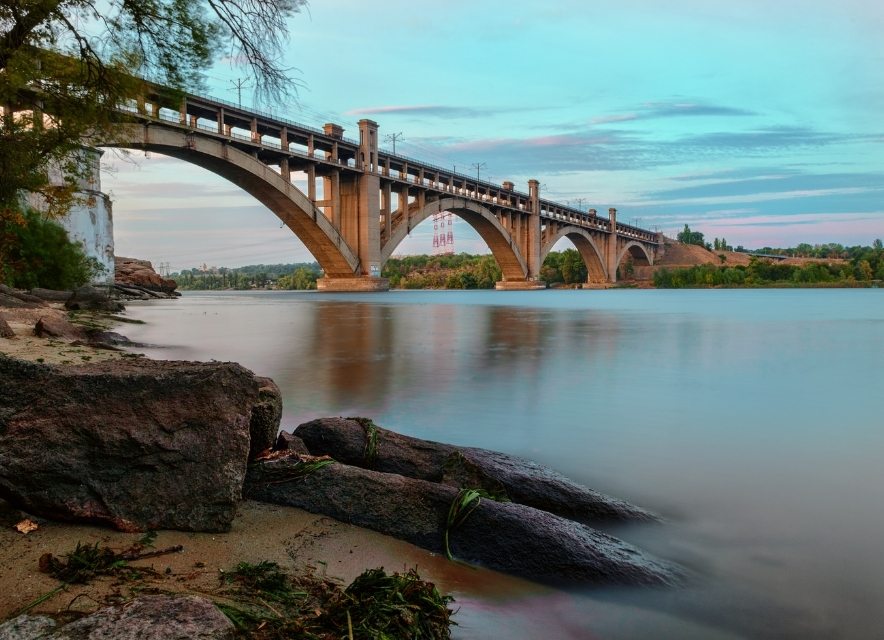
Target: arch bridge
<point>360,202</point>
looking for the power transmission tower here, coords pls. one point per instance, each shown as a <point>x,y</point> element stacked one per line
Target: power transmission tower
<point>393,137</point>
<point>239,84</point>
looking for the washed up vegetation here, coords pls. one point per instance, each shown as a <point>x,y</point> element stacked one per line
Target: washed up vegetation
<point>465,502</point>
<point>305,466</point>
<point>370,453</point>
<point>264,602</point>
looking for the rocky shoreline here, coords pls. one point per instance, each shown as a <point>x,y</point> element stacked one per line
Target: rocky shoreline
<point>141,445</point>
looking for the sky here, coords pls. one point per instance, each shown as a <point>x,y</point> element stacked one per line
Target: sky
<point>760,122</point>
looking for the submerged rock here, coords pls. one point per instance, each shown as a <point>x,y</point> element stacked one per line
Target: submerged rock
<point>357,441</point>
<point>136,444</point>
<point>506,536</point>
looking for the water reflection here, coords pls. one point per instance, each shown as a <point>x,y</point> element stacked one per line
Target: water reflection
<point>751,419</point>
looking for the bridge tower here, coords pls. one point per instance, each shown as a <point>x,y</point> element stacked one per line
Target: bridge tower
<point>527,234</point>
<point>359,216</point>
<point>611,248</point>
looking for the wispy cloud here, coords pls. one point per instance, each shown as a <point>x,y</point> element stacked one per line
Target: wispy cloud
<point>658,110</point>
<point>447,112</point>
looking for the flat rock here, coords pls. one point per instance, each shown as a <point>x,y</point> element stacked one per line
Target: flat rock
<point>523,481</point>
<point>89,298</point>
<point>51,295</point>
<point>152,617</point>
<point>27,628</point>
<point>506,536</point>
<point>135,444</point>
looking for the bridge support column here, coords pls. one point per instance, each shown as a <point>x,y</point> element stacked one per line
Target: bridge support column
<point>611,249</point>
<point>360,218</point>
<point>526,233</point>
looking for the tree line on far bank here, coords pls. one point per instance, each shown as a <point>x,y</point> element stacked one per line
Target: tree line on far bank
<point>860,266</point>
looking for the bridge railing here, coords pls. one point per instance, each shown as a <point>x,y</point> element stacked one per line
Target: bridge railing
<point>491,188</point>
<point>268,116</point>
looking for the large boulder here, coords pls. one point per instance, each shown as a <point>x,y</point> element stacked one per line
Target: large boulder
<point>140,274</point>
<point>506,536</point>
<point>149,617</point>
<point>135,444</point>
<point>58,326</point>
<point>357,441</point>
<point>266,415</point>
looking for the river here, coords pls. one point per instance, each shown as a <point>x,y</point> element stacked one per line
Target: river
<point>751,420</point>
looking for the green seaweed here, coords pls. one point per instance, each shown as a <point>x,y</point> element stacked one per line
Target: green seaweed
<point>464,503</point>
<point>273,474</point>
<point>370,453</point>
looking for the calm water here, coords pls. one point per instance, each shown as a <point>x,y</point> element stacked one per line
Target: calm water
<point>752,420</point>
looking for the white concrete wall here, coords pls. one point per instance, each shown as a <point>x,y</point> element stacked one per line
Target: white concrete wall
<point>90,222</point>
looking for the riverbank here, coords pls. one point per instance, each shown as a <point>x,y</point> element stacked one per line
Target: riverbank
<point>312,549</point>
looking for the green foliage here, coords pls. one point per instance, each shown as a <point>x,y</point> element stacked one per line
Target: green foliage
<point>565,266</point>
<point>691,237</point>
<point>36,252</point>
<point>66,65</point>
<point>455,271</point>
<point>278,276</point>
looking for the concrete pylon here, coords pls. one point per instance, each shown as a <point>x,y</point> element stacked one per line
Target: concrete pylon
<point>528,238</point>
<point>612,247</point>
<point>360,218</point>
<point>532,249</point>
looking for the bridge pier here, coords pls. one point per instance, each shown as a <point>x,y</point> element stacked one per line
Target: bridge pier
<point>519,285</point>
<point>611,248</point>
<point>356,284</point>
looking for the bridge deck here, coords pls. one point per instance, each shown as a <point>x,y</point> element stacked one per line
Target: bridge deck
<point>273,139</point>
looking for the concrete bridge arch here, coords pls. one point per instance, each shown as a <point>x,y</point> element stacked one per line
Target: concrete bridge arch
<point>638,252</point>
<point>284,199</point>
<point>586,246</point>
<point>499,240</point>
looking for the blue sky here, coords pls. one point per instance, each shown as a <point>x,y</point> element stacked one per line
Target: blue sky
<point>757,121</point>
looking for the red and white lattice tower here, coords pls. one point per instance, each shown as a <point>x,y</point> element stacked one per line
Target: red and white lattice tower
<point>443,233</point>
